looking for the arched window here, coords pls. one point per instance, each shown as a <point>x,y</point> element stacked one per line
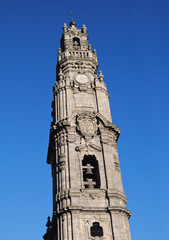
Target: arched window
<point>76,42</point>
<point>91,176</point>
<point>96,230</point>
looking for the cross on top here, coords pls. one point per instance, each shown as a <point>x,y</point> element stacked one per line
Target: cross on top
<point>72,14</point>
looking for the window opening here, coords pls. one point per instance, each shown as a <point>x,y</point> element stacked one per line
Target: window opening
<point>76,42</point>
<point>91,176</point>
<point>96,230</point>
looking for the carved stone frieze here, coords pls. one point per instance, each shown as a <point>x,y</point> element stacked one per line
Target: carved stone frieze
<point>93,195</point>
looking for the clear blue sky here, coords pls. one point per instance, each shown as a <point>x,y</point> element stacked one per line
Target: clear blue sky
<point>132,41</point>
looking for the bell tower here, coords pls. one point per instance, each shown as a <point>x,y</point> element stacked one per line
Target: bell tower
<point>88,197</point>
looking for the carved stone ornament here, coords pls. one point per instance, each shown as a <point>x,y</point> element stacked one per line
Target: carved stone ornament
<point>86,124</point>
<point>117,168</point>
<point>61,164</point>
<point>93,195</point>
<point>82,79</point>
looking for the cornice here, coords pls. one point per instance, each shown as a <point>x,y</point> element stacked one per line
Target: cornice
<point>120,210</point>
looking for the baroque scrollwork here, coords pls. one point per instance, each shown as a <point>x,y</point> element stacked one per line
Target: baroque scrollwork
<point>86,124</point>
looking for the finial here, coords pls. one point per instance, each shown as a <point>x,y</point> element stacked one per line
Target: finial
<point>72,24</point>
<point>94,52</point>
<point>59,51</point>
<point>84,29</point>
<point>49,231</point>
<point>101,76</point>
<point>48,224</point>
<point>65,27</point>
<point>90,47</point>
<point>60,74</point>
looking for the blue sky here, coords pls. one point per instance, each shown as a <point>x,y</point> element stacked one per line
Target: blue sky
<point>132,42</point>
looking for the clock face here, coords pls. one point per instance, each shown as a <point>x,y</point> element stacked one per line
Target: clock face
<point>81,78</point>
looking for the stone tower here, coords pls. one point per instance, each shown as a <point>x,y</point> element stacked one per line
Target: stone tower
<point>88,197</point>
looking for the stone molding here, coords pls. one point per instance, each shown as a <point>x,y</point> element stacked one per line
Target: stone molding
<point>116,194</point>
<point>120,210</point>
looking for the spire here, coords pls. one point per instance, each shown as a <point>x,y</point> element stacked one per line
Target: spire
<point>72,23</point>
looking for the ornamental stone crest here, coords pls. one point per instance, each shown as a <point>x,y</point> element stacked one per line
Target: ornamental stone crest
<point>86,124</point>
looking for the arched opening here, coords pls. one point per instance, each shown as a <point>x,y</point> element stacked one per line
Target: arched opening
<point>96,230</point>
<point>91,176</point>
<point>76,42</point>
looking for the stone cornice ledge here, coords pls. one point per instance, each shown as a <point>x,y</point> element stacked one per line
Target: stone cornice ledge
<point>116,194</point>
<point>119,210</point>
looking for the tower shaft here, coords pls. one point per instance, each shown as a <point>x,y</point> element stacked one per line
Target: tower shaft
<point>88,197</point>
